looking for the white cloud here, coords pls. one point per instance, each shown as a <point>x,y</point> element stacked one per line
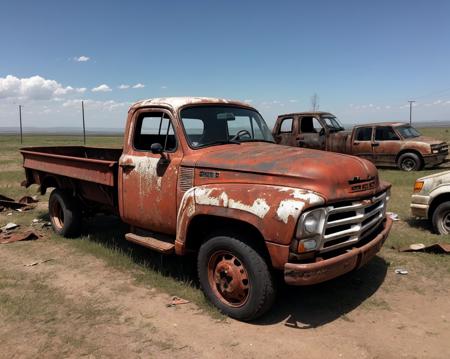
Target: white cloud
<point>124,87</point>
<point>293,101</point>
<point>139,86</point>
<point>108,105</point>
<point>102,88</point>
<point>33,88</point>
<point>82,59</point>
<point>163,87</point>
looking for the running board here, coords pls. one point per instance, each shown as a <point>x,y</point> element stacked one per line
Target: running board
<point>151,242</point>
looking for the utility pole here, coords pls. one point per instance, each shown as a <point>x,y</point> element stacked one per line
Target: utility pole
<point>84,125</point>
<point>410,111</point>
<point>20,121</point>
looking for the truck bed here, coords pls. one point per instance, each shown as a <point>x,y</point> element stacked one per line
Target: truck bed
<point>91,164</point>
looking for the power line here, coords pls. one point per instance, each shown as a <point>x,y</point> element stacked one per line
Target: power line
<point>410,110</point>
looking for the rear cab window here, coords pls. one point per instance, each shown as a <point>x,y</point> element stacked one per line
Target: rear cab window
<point>286,125</point>
<point>363,134</point>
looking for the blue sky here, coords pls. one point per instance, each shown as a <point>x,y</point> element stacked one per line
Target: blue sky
<point>364,59</point>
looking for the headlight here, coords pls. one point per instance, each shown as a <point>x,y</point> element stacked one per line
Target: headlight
<point>435,151</point>
<point>311,223</point>
<point>418,186</point>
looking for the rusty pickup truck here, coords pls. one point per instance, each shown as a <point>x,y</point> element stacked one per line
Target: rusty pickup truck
<point>203,176</point>
<point>390,144</point>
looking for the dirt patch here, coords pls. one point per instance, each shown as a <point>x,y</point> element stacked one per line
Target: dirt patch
<point>77,305</point>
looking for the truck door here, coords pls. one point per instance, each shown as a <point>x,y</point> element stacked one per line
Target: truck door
<point>285,132</point>
<point>311,133</point>
<point>361,144</point>
<point>386,145</point>
<point>148,172</point>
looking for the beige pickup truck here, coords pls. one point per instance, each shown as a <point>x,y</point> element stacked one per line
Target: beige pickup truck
<point>431,200</point>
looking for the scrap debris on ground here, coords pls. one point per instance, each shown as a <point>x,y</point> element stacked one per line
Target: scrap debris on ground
<point>32,264</point>
<point>28,235</point>
<point>23,204</point>
<point>441,248</point>
<point>177,301</point>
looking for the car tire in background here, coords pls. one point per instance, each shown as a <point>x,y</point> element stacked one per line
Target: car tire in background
<point>65,213</point>
<point>409,161</point>
<point>441,218</point>
<point>235,277</point>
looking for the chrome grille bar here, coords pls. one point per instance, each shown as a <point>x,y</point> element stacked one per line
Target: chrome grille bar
<point>363,216</point>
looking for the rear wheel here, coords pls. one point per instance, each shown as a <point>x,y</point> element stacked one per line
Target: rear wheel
<point>409,162</point>
<point>65,213</point>
<point>235,277</point>
<point>441,218</point>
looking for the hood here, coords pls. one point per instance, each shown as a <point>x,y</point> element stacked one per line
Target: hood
<point>425,139</point>
<point>335,176</point>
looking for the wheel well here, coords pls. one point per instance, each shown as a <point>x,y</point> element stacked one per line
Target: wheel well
<point>48,182</point>
<point>402,152</point>
<point>202,226</point>
<point>445,197</point>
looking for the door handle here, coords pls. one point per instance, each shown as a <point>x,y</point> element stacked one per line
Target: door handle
<point>355,143</point>
<point>375,144</point>
<point>127,166</point>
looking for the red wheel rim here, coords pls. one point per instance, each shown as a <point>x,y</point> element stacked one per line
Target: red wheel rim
<point>57,215</point>
<point>228,278</point>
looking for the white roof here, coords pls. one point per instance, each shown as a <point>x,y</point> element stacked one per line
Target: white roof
<point>176,102</point>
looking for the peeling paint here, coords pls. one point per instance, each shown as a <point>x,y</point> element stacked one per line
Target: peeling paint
<point>203,196</point>
<point>259,207</point>
<point>289,208</point>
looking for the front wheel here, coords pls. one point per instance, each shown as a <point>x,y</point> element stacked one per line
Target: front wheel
<point>409,162</point>
<point>441,218</point>
<point>235,278</point>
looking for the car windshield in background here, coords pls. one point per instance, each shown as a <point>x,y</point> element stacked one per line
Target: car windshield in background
<point>215,125</point>
<point>408,131</point>
<point>333,123</point>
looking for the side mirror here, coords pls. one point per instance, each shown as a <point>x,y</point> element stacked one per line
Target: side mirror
<point>156,148</point>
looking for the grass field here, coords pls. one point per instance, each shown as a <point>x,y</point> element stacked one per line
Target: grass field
<point>105,236</point>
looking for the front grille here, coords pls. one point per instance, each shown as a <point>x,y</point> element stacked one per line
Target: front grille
<point>348,223</point>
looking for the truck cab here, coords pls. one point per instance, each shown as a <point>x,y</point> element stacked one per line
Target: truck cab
<point>306,129</point>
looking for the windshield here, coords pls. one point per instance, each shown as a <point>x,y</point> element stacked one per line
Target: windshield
<point>408,131</point>
<point>333,123</point>
<point>214,125</point>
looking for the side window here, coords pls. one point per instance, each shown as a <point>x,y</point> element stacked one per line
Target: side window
<point>385,134</point>
<point>154,127</point>
<point>286,125</point>
<point>309,125</point>
<point>363,134</point>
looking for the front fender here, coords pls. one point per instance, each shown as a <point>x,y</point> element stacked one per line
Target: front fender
<point>439,190</point>
<point>273,210</point>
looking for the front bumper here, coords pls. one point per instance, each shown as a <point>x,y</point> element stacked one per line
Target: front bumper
<point>420,206</point>
<point>312,273</point>
<point>435,159</point>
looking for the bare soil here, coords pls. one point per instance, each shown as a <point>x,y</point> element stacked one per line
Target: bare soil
<point>77,305</point>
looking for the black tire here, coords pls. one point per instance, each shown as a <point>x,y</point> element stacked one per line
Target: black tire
<point>409,161</point>
<point>247,269</point>
<point>65,213</point>
<point>441,218</point>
